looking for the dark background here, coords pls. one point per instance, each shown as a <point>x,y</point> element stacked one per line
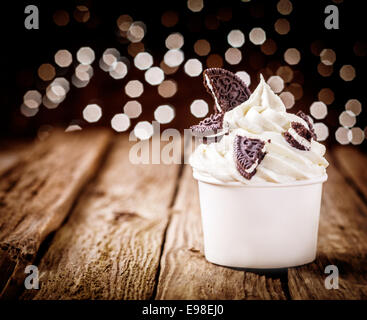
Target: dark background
<point>23,51</point>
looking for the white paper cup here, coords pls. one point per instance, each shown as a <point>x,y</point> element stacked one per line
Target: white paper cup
<point>263,226</point>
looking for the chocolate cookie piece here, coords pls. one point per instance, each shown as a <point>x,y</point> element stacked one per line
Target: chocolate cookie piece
<point>227,89</point>
<point>248,153</point>
<point>210,129</point>
<point>303,116</point>
<point>298,136</point>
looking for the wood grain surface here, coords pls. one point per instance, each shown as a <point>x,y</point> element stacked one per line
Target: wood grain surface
<point>110,247</point>
<point>36,195</point>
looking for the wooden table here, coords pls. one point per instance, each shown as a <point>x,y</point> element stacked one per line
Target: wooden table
<point>99,227</point>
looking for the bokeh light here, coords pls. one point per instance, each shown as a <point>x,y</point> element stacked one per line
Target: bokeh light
<point>199,108</point>
<point>202,47</point>
<point>32,99</point>
<point>46,72</point>
<point>282,26</point>
<point>136,31</point>
<point>133,109</point>
<point>193,67</point>
<point>81,14</point>
<point>92,113</point>
<point>269,47</point>
<point>326,95</point>
<point>63,58</point>
<point>143,130</point>
<point>120,122</point>
<point>143,60</point>
<point>73,127</point>
<point>233,56</point>
<point>124,22</point>
<point>28,112</point>
<point>167,88</point>
<point>354,106</point>
<point>296,89</point>
<point>84,72</point>
<point>328,57</point>
<point>134,88</point>
<point>134,48</point>
<point>347,72</point>
<point>284,7</point>
<point>154,76</point>
<point>173,57</point>
<point>357,135</point>
<point>118,70</point>
<point>164,114</point>
<point>236,38</point>
<point>292,56</point>
<point>325,70</point>
<point>276,83</point>
<point>318,110</point>
<point>109,57</point>
<point>321,130</point>
<point>288,99</point>
<point>214,61</point>
<point>347,119</point>
<point>166,69</point>
<point>85,55</point>
<point>174,41</point>
<point>257,36</point>
<point>244,76</point>
<point>343,135</point>
<point>286,73</point>
<point>195,5</point>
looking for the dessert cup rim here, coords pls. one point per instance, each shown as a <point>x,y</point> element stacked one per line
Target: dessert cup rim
<point>211,180</point>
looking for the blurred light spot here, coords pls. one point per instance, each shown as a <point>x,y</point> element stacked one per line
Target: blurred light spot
<point>269,47</point>
<point>244,76</point>
<point>119,70</point>
<point>224,14</point>
<point>316,47</point>
<point>202,47</point>
<point>195,5</point>
<point>236,38</point>
<point>124,22</point>
<point>143,60</point>
<point>324,70</point>
<point>199,108</point>
<point>81,14</point>
<point>85,55</point>
<point>284,7</point>
<point>143,130</point>
<point>211,22</point>
<point>166,69</point>
<point>73,127</point>
<point>92,112</point>
<point>136,31</point>
<point>286,73</point>
<point>164,114</point>
<point>193,67</point>
<point>32,99</point>
<point>282,26</point>
<point>328,57</point>
<point>167,88</point>
<point>120,122</point>
<point>357,135</point>
<point>173,57</point>
<point>326,95</point>
<point>63,58</point>
<point>318,110</point>
<point>134,88</point>
<point>56,92</point>
<point>321,130</point>
<point>61,18</point>
<point>28,112</point>
<point>288,99</point>
<point>292,56</point>
<point>78,83</point>
<point>347,119</point>
<point>233,56</point>
<point>347,72</point>
<point>169,18</point>
<point>214,61</point>
<point>109,58</point>
<point>174,41</point>
<point>46,72</point>
<point>134,48</point>
<point>343,135</point>
<point>360,48</point>
<point>48,103</point>
<point>276,83</point>
<point>154,76</point>
<point>354,105</point>
<point>133,109</point>
<point>84,72</point>
<point>296,90</point>
<point>257,36</point>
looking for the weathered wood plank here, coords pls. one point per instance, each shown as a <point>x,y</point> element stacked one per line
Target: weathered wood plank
<point>185,274</point>
<point>111,244</point>
<point>342,242</point>
<point>353,164</point>
<point>36,195</point>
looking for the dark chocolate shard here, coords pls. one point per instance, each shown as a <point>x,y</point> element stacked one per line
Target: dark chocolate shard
<point>227,89</point>
<point>248,153</point>
<point>303,116</point>
<point>210,129</point>
<point>302,132</point>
